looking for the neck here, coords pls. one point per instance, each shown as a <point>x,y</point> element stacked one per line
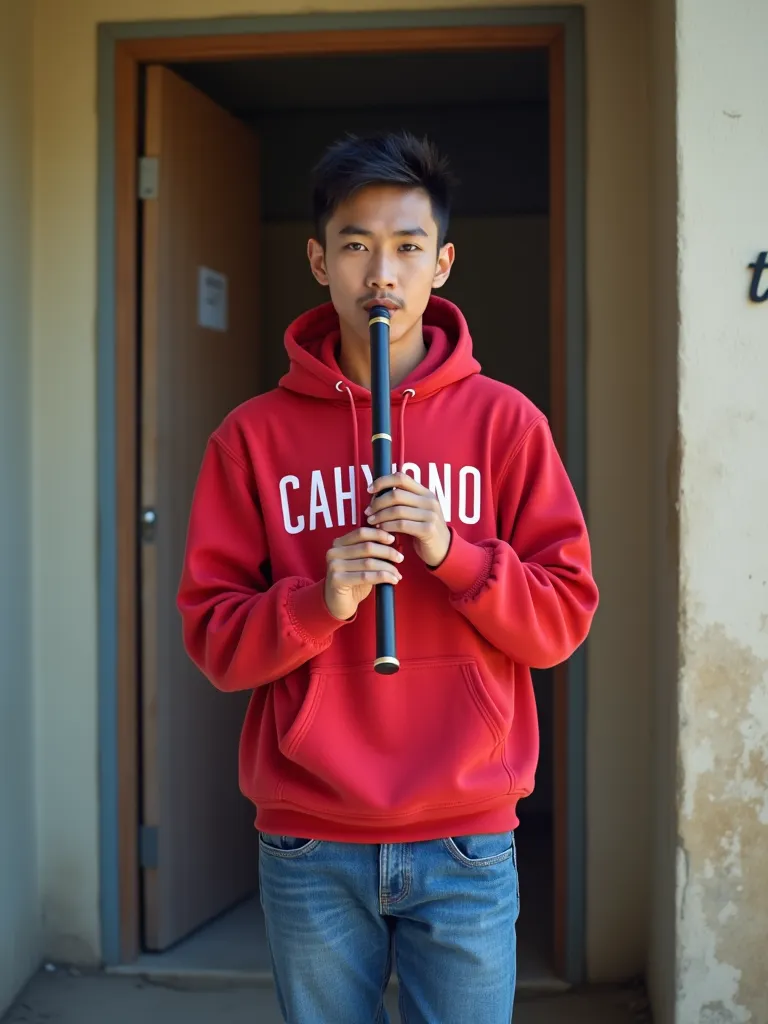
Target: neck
<point>404,357</point>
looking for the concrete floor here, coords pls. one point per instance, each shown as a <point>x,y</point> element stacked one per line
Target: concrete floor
<point>62,997</point>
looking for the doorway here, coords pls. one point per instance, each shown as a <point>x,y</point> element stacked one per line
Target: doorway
<point>496,109</point>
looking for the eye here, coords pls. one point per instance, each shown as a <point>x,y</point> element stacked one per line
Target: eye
<point>410,247</point>
<point>355,246</point>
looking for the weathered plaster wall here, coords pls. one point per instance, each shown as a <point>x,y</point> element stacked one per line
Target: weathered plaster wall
<point>722,871</point>
<point>19,905</point>
<point>64,467</point>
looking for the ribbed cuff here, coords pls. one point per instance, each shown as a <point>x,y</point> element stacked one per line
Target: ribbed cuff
<point>465,566</point>
<point>309,613</point>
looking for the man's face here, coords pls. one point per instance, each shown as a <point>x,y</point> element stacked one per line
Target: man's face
<point>381,248</point>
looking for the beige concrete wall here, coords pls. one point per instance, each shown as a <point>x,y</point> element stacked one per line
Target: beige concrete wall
<point>722,878</point>
<point>19,904</point>
<point>65,481</point>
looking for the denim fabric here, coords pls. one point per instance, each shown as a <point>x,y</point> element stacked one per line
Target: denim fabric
<point>339,914</point>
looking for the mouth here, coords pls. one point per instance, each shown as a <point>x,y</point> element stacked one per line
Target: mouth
<point>386,303</point>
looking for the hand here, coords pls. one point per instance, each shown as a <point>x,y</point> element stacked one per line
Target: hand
<point>407,507</point>
<point>357,562</point>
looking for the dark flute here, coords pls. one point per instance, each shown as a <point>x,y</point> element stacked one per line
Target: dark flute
<point>378,326</point>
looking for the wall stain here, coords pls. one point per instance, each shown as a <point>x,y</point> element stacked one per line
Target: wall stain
<point>722,863</point>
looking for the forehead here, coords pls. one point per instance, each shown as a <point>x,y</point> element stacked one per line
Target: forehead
<point>382,209</point>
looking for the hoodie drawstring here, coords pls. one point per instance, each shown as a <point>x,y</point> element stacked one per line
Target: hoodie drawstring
<point>358,502</point>
<point>408,393</point>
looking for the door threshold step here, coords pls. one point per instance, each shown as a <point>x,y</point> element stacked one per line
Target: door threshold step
<point>153,971</point>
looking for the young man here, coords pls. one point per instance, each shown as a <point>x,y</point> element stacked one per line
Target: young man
<point>386,804</point>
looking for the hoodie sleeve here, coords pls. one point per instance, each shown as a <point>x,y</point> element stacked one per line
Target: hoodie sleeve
<point>530,594</point>
<point>240,631</point>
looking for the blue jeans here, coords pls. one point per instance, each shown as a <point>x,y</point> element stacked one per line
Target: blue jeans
<point>339,914</point>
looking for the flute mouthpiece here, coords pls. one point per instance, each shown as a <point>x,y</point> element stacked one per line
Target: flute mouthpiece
<point>376,311</point>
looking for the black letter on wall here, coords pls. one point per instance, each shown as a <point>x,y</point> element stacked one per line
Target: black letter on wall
<point>760,264</point>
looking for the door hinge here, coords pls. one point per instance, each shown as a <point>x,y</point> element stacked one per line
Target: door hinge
<point>149,177</point>
<point>148,846</point>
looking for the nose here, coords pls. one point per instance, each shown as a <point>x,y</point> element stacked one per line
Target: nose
<point>381,274</point>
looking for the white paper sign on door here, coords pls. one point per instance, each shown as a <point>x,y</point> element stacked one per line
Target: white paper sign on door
<point>212,299</point>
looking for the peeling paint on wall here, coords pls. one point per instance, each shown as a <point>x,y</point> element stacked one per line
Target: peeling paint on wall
<point>723,853</point>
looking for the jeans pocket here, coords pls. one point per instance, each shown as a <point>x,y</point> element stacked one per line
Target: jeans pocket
<point>286,846</point>
<point>482,850</point>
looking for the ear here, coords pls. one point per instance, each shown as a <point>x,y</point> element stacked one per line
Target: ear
<point>316,256</point>
<point>445,259</point>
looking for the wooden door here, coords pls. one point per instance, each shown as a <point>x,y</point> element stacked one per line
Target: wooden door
<point>199,313</point>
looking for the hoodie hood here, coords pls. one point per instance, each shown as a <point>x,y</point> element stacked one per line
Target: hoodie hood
<point>312,339</point>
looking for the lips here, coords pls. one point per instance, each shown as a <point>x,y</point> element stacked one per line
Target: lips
<point>386,303</point>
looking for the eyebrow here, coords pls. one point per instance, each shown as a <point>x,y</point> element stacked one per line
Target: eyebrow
<point>353,229</point>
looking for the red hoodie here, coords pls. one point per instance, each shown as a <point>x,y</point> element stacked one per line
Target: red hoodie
<point>330,749</point>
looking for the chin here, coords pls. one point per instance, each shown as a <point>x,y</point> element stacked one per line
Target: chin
<point>399,331</point>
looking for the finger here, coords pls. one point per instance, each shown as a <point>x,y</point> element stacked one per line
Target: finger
<point>397,496</point>
<point>367,577</point>
<point>413,528</point>
<point>340,566</point>
<point>401,480</point>
<point>364,534</point>
<point>386,516</point>
<point>367,550</point>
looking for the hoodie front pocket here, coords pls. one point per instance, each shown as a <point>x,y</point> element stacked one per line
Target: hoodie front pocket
<point>428,737</point>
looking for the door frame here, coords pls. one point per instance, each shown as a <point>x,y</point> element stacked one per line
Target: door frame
<point>122,50</point>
